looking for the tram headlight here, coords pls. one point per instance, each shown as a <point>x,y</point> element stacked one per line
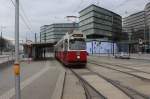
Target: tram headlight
<point>71,38</point>
<point>78,57</point>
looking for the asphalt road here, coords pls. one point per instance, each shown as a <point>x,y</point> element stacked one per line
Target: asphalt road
<point>38,80</point>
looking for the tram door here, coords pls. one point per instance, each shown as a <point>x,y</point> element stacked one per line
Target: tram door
<point>65,49</point>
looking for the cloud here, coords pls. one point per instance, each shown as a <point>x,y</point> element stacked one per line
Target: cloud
<point>41,12</point>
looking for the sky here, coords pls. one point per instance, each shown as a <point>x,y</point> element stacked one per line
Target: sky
<point>44,12</point>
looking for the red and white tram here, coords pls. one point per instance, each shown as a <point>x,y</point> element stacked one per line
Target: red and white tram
<point>71,49</point>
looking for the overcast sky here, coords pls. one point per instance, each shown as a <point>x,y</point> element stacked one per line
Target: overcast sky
<point>41,12</point>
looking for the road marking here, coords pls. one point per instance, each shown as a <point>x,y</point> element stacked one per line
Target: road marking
<point>9,94</point>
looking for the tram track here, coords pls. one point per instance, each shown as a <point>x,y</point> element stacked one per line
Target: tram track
<point>122,66</point>
<point>126,91</point>
<point>113,67</point>
<point>134,94</point>
<point>89,90</point>
<point>69,87</point>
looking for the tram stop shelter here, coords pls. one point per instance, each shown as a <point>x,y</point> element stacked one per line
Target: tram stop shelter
<point>38,51</point>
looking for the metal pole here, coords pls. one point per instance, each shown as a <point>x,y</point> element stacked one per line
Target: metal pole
<point>40,37</point>
<point>74,26</point>
<point>45,37</point>
<point>1,42</point>
<point>17,65</point>
<point>113,49</point>
<point>92,47</point>
<point>35,38</point>
<point>99,48</point>
<point>130,43</point>
<point>144,41</point>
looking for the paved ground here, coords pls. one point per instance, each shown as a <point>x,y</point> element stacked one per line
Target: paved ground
<point>141,56</point>
<point>140,85</point>
<point>132,56</point>
<point>38,80</point>
<point>73,88</point>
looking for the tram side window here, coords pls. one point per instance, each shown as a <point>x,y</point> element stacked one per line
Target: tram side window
<point>66,45</point>
<point>59,48</point>
<point>62,46</point>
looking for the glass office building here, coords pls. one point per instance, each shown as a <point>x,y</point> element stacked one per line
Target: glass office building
<point>137,26</point>
<point>134,25</point>
<point>97,23</point>
<point>147,22</point>
<point>54,32</point>
<point>43,33</point>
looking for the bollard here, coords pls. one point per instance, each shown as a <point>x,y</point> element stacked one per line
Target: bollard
<point>16,69</point>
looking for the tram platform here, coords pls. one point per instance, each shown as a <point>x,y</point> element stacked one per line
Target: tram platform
<point>38,80</point>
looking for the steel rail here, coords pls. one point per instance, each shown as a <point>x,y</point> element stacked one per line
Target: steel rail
<point>128,91</point>
<point>87,93</point>
<point>119,65</point>
<point>137,76</point>
<point>85,84</point>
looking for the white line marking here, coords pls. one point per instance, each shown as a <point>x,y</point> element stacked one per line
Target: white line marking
<point>11,92</point>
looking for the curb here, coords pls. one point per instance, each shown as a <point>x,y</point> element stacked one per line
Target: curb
<point>57,94</point>
<point>140,58</point>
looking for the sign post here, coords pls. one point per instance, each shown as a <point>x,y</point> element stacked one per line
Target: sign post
<point>140,46</point>
<point>29,42</point>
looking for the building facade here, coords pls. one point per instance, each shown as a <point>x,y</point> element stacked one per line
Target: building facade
<point>54,32</point>
<point>147,22</point>
<point>134,25</point>
<point>137,26</point>
<point>43,30</point>
<point>96,23</point>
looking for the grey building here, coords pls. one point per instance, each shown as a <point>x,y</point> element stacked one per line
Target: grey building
<point>43,30</point>
<point>99,23</point>
<point>147,22</point>
<point>54,32</point>
<point>137,26</point>
<point>134,25</point>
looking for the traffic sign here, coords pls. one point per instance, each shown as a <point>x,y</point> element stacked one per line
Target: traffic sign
<point>140,41</point>
<point>29,42</point>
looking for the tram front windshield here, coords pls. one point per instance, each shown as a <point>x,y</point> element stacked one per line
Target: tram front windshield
<point>77,44</point>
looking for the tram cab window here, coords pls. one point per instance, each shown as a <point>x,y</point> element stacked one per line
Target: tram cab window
<point>77,44</point>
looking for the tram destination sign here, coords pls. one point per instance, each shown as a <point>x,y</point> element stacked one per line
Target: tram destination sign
<point>77,35</point>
